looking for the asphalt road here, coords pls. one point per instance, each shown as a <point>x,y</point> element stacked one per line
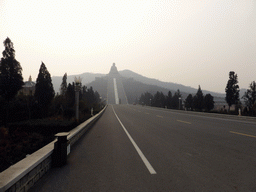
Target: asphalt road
<point>134,148</point>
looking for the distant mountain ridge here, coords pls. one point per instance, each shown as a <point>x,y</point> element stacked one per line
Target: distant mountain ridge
<point>88,78</point>
<point>166,85</point>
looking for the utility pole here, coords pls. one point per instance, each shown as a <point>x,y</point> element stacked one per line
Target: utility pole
<point>77,90</point>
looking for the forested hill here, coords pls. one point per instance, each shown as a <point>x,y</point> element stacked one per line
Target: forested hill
<point>88,78</point>
<point>133,88</point>
<point>166,85</point>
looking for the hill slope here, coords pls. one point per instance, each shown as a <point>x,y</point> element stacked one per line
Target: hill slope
<point>166,85</point>
<point>89,78</point>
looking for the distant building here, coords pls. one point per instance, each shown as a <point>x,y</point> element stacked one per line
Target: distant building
<point>28,87</point>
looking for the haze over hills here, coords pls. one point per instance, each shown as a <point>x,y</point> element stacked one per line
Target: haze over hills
<point>166,85</point>
<point>88,78</point>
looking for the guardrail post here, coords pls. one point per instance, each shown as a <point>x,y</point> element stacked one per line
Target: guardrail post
<point>61,149</point>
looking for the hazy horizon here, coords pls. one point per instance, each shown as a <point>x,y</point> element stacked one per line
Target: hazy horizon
<point>187,42</point>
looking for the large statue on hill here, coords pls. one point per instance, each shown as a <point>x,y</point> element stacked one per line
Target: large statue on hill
<point>113,69</point>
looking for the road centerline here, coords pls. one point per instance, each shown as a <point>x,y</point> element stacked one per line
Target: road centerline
<point>142,156</point>
<point>184,122</point>
<point>160,116</point>
<point>242,134</point>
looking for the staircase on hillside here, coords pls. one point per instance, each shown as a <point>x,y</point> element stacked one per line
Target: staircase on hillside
<point>116,93</point>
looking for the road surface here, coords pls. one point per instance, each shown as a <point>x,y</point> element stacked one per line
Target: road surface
<point>134,148</point>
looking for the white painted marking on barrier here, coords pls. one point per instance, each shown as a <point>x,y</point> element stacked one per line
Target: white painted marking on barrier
<point>142,156</point>
<point>115,90</point>
<point>68,149</point>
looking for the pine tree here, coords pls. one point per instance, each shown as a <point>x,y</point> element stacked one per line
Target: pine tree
<point>208,102</point>
<point>189,102</point>
<point>11,79</point>
<point>44,92</point>
<point>70,95</point>
<point>198,100</point>
<point>175,102</point>
<point>169,99</point>
<point>159,99</point>
<point>142,99</point>
<point>250,97</point>
<point>232,89</point>
<point>63,86</point>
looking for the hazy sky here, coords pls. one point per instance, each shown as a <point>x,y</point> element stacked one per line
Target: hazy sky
<point>191,42</point>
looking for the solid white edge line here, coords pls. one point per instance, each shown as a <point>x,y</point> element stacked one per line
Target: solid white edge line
<point>142,156</point>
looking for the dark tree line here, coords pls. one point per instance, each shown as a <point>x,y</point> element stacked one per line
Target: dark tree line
<point>160,100</point>
<point>232,95</point>
<point>250,99</point>
<point>65,101</point>
<point>14,106</point>
<point>198,102</point>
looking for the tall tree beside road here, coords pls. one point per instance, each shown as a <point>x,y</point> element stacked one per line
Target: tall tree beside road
<point>70,95</point>
<point>189,102</point>
<point>169,99</point>
<point>11,79</point>
<point>198,100</point>
<point>64,85</point>
<point>250,97</point>
<point>146,99</point>
<point>208,102</point>
<point>158,100</point>
<point>44,92</point>
<point>232,89</point>
<point>175,103</point>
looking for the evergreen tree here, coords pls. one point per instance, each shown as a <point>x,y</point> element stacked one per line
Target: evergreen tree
<point>163,100</point>
<point>175,102</point>
<point>63,86</point>
<point>70,95</point>
<point>159,99</point>
<point>208,102</point>
<point>91,97</point>
<point>44,92</point>
<point>142,99</point>
<point>169,99</point>
<point>11,79</point>
<point>189,102</point>
<point>198,100</point>
<point>232,89</point>
<point>250,97</point>
<point>146,99</point>
<point>97,97</point>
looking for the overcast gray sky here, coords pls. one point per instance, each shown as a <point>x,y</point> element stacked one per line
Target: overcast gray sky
<point>191,42</point>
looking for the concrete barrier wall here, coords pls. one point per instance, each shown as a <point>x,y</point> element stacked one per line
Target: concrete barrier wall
<point>24,174</point>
